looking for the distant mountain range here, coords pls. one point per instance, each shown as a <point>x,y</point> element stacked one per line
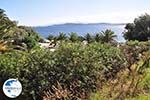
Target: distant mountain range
<point>81,29</point>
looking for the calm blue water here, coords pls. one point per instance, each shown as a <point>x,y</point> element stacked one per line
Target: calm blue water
<point>81,29</point>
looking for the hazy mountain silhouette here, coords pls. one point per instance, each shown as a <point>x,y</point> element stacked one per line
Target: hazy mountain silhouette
<point>81,29</point>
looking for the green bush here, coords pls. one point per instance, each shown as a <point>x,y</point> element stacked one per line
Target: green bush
<point>30,42</point>
<point>133,50</point>
<point>95,96</point>
<point>73,65</point>
<point>139,29</point>
<point>140,97</point>
<point>10,64</point>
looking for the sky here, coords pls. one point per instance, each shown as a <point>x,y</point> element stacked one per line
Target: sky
<point>48,12</point>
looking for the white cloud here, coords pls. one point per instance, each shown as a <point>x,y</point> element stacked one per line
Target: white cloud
<point>113,17</point>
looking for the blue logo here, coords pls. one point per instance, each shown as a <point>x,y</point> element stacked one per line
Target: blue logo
<point>12,88</point>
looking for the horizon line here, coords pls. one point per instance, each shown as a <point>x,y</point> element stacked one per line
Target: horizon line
<point>75,23</point>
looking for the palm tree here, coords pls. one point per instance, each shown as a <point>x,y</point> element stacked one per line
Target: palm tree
<point>51,37</point>
<point>89,38</point>
<point>98,37</point>
<point>107,36</point>
<point>5,24</point>
<point>81,38</point>
<point>62,36</point>
<point>2,14</point>
<point>73,37</point>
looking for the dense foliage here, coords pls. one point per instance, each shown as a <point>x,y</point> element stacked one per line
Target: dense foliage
<point>139,30</point>
<point>17,37</point>
<point>106,36</point>
<point>75,70</point>
<point>72,65</point>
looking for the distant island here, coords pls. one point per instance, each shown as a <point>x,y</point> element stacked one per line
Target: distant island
<point>101,23</point>
<point>81,29</point>
<point>76,61</point>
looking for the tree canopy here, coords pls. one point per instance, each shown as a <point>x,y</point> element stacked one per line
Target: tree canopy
<point>10,31</point>
<point>139,30</point>
<point>107,36</point>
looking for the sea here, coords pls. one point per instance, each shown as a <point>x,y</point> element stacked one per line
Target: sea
<point>81,29</point>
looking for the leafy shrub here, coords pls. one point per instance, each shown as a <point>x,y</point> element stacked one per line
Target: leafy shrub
<point>75,66</point>
<point>127,85</point>
<point>133,50</point>
<point>140,97</point>
<point>30,42</point>
<point>95,96</point>
<point>139,30</point>
<point>10,64</point>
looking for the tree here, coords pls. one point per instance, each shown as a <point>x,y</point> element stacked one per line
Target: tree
<point>5,24</point>
<point>139,30</point>
<point>2,14</point>
<point>73,37</point>
<point>62,36</point>
<point>97,37</point>
<point>81,38</point>
<point>16,35</point>
<point>107,36</point>
<point>51,37</point>
<point>89,38</point>
<point>30,42</point>
<point>30,32</point>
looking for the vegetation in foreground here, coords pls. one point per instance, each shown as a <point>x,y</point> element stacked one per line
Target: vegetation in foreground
<point>76,71</point>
